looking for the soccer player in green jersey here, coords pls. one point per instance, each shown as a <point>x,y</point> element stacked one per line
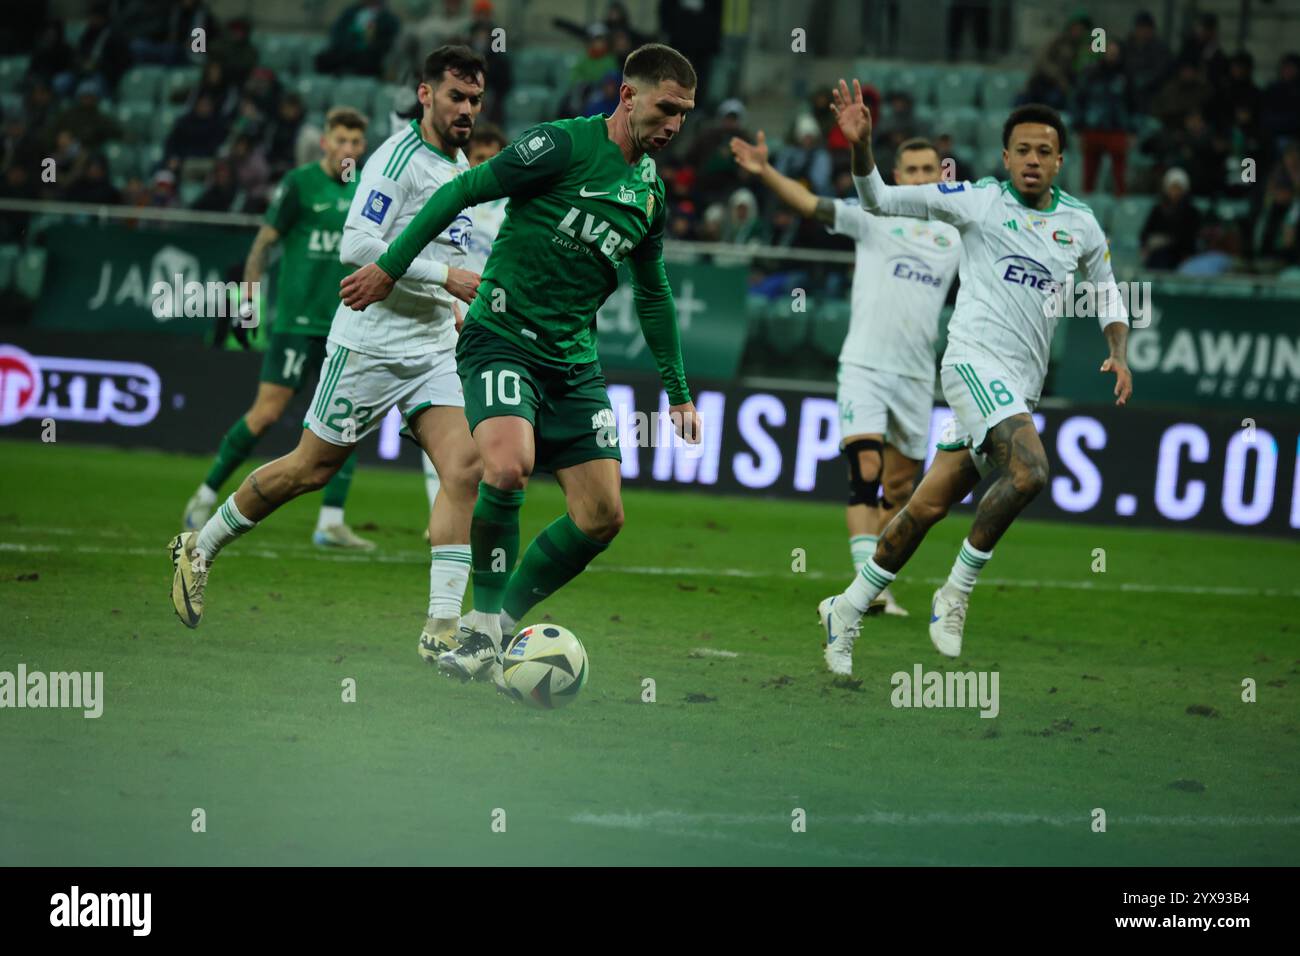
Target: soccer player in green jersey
<point>306,218</point>
<point>584,199</point>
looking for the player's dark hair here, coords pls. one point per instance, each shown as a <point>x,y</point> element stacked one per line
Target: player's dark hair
<point>488,133</point>
<point>1034,113</point>
<point>347,117</point>
<point>656,62</point>
<point>908,145</point>
<point>460,60</point>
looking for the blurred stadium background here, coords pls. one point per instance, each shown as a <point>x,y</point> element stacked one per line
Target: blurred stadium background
<point>164,159</point>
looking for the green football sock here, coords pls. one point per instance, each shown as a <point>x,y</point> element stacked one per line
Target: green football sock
<point>555,558</point>
<point>494,544</point>
<point>336,491</point>
<point>236,446</point>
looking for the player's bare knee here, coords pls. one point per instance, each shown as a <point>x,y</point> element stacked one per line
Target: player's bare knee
<point>1029,475</point>
<point>603,521</point>
<point>509,475</point>
<point>898,491</point>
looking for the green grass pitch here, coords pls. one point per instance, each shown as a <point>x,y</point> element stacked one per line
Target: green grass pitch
<point>245,719</point>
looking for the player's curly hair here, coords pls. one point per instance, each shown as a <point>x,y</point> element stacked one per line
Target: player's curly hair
<point>1034,113</point>
<point>656,62</point>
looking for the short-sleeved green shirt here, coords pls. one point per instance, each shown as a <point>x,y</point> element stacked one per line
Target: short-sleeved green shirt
<point>308,211</point>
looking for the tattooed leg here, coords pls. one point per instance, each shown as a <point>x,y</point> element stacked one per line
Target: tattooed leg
<point>1014,446</point>
<point>307,468</point>
<point>950,479</point>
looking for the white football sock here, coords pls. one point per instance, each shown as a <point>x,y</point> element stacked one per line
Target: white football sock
<point>225,525</point>
<point>206,495</point>
<point>970,561</point>
<point>867,584</point>
<point>488,623</point>
<point>329,516</point>
<point>508,624</point>
<point>862,547</point>
<point>448,575</point>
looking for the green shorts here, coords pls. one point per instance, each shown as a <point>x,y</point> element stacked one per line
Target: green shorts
<point>567,405</point>
<point>290,357</point>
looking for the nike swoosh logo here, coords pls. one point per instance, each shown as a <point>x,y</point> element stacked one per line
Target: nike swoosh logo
<point>586,195</point>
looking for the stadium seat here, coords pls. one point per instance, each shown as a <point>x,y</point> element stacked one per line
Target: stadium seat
<point>1102,206</point>
<point>317,92</point>
<point>830,324</point>
<point>1129,216</point>
<point>137,120</point>
<point>123,161</point>
<point>163,121</point>
<point>12,70</point>
<point>957,87</point>
<point>29,276</point>
<point>538,66</point>
<point>141,85</point>
<point>281,53</point>
<point>178,82</point>
<point>1001,87</point>
<point>190,192</point>
<point>9,256</point>
<point>11,104</point>
<point>358,92</point>
<point>917,81</point>
<point>527,105</point>
<point>962,124</point>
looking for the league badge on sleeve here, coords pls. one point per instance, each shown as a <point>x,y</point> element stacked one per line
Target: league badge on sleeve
<point>376,206</point>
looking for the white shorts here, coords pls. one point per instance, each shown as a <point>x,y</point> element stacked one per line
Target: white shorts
<point>980,396</point>
<point>873,401</point>
<point>356,391</point>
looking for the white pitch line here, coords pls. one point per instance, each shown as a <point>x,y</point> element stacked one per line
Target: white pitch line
<point>284,552</point>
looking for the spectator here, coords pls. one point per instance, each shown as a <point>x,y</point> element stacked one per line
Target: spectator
<point>1202,48</point>
<point>171,40</point>
<point>961,170</point>
<point>1104,114</point>
<point>448,25</point>
<point>807,159</point>
<point>1198,150</point>
<point>1245,141</point>
<point>251,172</point>
<point>1148,62</point>
<point>38,112</point>
<point>1280,209</point>
<point>710,153</point>
<point>69,155</point>
<point>86,121</point>
<point>1280,105</point>
<point>1186,92</point>
<point>604,99</point>
<point>17,184</point>
<point>216,86</point>
<point>898,124</point>
<point>219,196</point>
<point>617,18</point>
<point>234,50</point>
<point>162,190</point>
<point>53,60</point>
<point>588,72</point>
<point>1169,235</point>
<point>281,139</point>
<point>974,14</point>
<point>360,40</point>
<point>1237,90</point>
<point>102,52</point>
<point>694,29</point>
<point>742,227</point>
<point>500,74</point>
<point>198,133</point>
<point>1052,78</point>
<point>93,184</point>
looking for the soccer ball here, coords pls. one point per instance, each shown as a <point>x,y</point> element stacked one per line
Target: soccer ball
<point>545,666</point>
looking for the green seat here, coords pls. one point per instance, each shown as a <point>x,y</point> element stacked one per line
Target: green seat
<point>123,160</point>
<point>12,71</point>
<point>962,124</point>
<point>10,253</point>
<point>137,120</point>
<point>957,87</point>
<point>830,324</point>
<point>317,93</point>
<point>528,105</point>
<point>163,121</point>
<point>141,85</point>
<point>536,66</point>
<point>1103,207</point>
<point>178,82</point>
<point>918,82</point>
<point>1128,217</point>
<point>357,92</point>
<point>279,52</point>
<point>1001,87</point>
<point>29,276</point>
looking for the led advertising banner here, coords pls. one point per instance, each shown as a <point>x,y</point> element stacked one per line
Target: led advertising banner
<point>1138,465</point>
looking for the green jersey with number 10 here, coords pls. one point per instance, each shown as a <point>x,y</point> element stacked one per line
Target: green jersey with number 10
<point>577,211</point>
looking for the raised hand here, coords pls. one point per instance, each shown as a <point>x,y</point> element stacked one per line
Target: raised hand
<point>751,157</point>
<point>851,113</point>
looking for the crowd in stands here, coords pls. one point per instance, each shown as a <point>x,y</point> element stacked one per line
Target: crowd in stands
<point>1177,126</point>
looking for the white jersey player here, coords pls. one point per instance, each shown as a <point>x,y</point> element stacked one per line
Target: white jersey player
<point>396,353</point>
<point>1020,242</point>
<point>902,271</point>
<point>487,218</point>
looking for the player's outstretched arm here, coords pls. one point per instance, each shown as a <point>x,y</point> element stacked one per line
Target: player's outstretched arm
<point>753,158</point>
<point>655,310</point>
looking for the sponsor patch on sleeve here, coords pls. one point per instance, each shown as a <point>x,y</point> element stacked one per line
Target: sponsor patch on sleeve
<point>536,143</point>
<point>376,206</point>
<point>951,187</point>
